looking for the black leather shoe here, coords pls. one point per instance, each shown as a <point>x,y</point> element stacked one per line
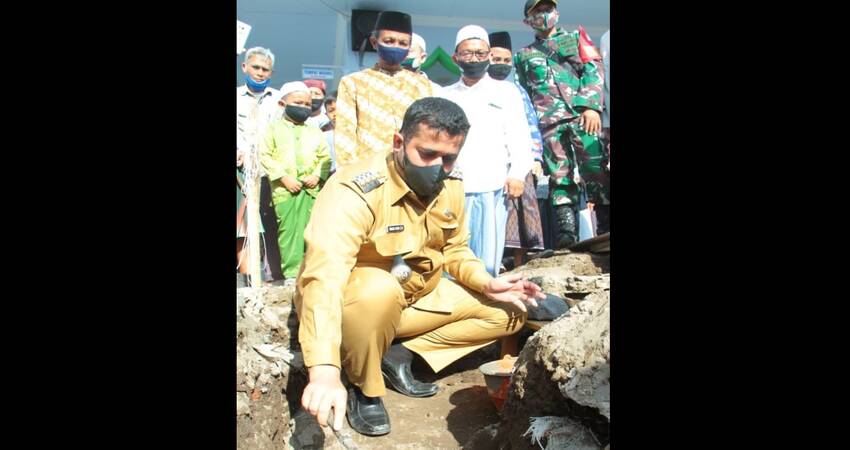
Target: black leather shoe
<point>398,376</point>
<point>367,415</point>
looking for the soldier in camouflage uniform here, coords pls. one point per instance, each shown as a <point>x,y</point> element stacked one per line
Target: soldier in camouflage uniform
<point>566,89</point>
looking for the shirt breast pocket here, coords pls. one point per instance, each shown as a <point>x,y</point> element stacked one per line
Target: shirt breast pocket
<point>445,227</point>
<point>392,244</point>
<point>538,71</point>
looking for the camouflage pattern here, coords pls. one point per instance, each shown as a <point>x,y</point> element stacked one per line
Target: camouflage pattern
<point>560,143</point>
<point>592,168</point>
<point>560,94</point>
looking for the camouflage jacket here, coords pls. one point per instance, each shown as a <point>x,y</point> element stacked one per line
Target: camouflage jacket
<point>559,92</point>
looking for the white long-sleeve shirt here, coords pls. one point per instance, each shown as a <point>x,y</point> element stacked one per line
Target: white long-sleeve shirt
<point>498,145</point>
<point>267,111</point>
<point>245,102</point>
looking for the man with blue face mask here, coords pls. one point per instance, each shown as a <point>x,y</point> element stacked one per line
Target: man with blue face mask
<point>256,100</point>
<point>371,103</point>
<point>256,106</point>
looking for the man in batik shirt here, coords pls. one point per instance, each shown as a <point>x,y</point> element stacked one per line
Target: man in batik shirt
<point>371,103</point>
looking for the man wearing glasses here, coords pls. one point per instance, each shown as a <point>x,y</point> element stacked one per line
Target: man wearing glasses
<point>496,156</point>
<point>256,106</point>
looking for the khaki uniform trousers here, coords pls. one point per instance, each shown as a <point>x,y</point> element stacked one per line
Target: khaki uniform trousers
<point>375,312</point>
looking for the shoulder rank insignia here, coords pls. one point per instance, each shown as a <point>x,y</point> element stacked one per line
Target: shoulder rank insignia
<point>368,180</point>
<point>456,174</point>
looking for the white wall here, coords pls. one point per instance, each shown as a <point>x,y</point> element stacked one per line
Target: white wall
<point>286,35</point>
<point>310,32</point>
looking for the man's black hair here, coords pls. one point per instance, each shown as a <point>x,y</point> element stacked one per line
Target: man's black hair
<point>437,113</point>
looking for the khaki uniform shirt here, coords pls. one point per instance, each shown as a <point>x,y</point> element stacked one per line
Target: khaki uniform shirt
<point>363,217</point>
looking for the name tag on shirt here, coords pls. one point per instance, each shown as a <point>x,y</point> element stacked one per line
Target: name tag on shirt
<point>395,228</point>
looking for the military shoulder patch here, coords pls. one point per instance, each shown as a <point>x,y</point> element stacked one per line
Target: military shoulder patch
<point>456,174</point>
<point>368,180</point>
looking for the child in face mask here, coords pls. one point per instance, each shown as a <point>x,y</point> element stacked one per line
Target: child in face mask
<point>295,156</point>
<point>318,117</point>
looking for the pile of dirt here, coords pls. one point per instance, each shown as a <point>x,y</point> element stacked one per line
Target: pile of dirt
<point>262,371</point>
<point>575,263</point>
<point>562,375</point>
<point>569,275</point>
<point>559,393</point>
<point>561,371</point>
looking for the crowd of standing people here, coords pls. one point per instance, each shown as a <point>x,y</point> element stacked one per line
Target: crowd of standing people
<point>389,203</point>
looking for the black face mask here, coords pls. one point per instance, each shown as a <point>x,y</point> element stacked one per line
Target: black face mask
<point>298,114</point>
<point>474,70</point>
<point>499,71</point>
<point>317,104</point>
<point>424,181</point>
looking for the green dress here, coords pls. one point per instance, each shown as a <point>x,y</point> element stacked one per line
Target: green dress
<point>297,151</point>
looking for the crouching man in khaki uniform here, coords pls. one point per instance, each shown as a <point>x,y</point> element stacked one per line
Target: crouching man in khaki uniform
<point>382,233</point>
